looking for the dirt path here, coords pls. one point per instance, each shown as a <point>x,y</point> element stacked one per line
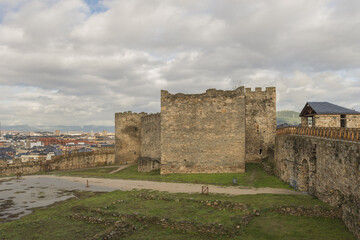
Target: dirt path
<point>74,170</point>
<point>121,168</point>
<point>127,185</point>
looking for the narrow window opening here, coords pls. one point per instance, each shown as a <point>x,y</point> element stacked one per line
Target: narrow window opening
<point>311,121</point>
<point>260,151</point>
<point>342,121</point>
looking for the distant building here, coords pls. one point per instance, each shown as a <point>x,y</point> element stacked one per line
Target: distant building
<point>57,132</point>
<point>325,114</point>
<point>34,144</point>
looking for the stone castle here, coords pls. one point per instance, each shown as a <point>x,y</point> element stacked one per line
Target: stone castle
<point>216,131</point>
<point>220,131</point>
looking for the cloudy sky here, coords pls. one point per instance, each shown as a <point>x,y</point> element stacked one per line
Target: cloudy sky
<point>77,62</point>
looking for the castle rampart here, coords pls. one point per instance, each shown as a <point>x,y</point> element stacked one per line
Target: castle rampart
<point>215,131</point>
<point>327,168</point>
<point>150,136</point>
<point>63,162</point>
<point>203,132</point>
<point>127,137</point>
<point>260,123</point>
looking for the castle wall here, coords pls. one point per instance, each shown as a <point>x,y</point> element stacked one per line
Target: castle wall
<point>328,169</point>
<point>146,164</point>
<point>150,136</point>
<point>127,137</point>
<point>63,162</point>
<point>260,123</point>
<point>203,133</point>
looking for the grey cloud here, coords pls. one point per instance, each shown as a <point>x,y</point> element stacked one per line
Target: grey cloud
<point>60,63</point>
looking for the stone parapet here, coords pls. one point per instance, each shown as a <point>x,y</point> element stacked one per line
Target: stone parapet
<point>326,168</point>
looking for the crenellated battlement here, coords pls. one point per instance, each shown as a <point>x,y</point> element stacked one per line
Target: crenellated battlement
<point>259,90</point>
<point>212,92</point>
<point>213,131</point>
<point>130,113</point>
<point>150,117</point>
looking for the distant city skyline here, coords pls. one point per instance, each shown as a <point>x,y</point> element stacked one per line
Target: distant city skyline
<point>62,129</point>
<point>76,63</point>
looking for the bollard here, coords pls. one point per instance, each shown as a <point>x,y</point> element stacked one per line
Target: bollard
<point>87,183</point>
<point>234,181</point>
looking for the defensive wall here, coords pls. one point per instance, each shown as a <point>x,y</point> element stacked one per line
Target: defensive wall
<point>203,132</point>
<point>260,123</point>
<point>326,163</point>
<point>215,131</point>
<point>127,137</point>
<point>63,162</point>
<point>148,164</point>
<point>150,136</point>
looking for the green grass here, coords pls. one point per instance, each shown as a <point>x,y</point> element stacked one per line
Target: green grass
<point>253,177</point>
<point>54,222</point>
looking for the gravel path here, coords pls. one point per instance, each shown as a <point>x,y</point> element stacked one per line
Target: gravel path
<point>121,168</point>
<point>126,185</point>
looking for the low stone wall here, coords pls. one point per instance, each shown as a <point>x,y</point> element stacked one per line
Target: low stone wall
<point>146,164</point>
<point>328,169</point>
<point>63,162</point>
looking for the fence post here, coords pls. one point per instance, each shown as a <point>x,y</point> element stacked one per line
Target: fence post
<point>340,134</point>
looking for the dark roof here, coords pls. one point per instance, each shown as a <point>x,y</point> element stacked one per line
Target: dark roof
<point>325,108</point>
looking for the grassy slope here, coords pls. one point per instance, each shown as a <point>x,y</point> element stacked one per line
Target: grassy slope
<point>289,117</point>
<point>254,176</point>
<point>54,223</point>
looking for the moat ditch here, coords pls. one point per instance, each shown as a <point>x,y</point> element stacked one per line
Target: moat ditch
<point>19,196</point>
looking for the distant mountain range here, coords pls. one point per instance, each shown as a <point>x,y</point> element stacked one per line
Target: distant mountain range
<point>289,117</point>
<point>85,128</point>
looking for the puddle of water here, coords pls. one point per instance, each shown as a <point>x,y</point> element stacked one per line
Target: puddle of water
<point>18,200</point>
<point>6,189</point>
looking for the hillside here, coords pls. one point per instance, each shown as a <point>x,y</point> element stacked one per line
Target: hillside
<point>289,117</point>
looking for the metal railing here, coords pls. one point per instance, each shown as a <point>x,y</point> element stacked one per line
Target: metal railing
<point>346,134</point>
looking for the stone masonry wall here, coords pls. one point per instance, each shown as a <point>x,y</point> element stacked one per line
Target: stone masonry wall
<point>203,133</point>
<point>327,120</point>
<point>150,136</point>
<point>260,123</point>
<point>328,169</point>
<point>304,122</point>
<point>146,164</point>
<point>63,162</point>
<point>353,121</point>
<point>127,137</point>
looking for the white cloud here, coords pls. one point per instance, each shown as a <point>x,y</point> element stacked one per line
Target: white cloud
<point>62,62</point>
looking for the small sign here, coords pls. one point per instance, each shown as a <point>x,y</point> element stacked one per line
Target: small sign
<point>205,190</point>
